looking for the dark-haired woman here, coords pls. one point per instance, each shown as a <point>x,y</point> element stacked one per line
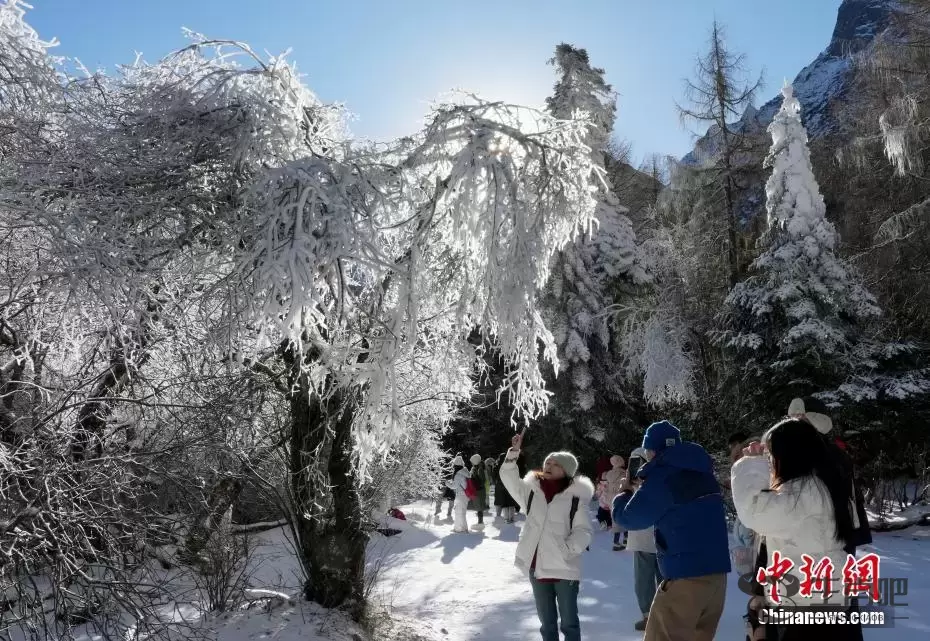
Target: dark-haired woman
<point>793,491</point>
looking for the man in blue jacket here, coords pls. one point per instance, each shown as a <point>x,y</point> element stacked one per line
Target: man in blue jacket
<point>679,495</point>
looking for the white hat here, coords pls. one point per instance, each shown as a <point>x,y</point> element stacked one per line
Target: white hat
<point>475,459</point>
<point>457,461</point>
<point>566,461</point>
<point>812,410</point>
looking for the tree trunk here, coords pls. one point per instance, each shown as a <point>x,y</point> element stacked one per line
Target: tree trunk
<point>221,498</point>
<point>327,513</point>
<point>93,415</point>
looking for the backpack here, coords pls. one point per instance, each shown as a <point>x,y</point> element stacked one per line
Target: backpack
<point>571,512</point>
<point>471,490</point>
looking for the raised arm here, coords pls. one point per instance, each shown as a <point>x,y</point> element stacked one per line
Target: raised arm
<point>643,508</point>
<point>770,513</point>
<point>510,474</point>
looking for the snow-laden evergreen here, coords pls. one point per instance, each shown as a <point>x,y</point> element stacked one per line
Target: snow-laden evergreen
<point>803,319</point>
<point>587,273</point>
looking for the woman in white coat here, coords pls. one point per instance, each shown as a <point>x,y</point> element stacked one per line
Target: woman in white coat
<point>794,492</point>
<point>458,484</point>
<point>556,533</point>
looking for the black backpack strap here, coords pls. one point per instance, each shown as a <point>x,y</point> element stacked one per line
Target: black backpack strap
<point>571,515</point>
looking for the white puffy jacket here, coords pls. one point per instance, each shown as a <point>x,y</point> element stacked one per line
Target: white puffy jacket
<point>796,519</point>
<point>642,540</point>
<point>458,484</point>
<point>547,533</point>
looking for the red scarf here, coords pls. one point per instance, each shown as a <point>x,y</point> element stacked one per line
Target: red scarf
<point>550,488</point>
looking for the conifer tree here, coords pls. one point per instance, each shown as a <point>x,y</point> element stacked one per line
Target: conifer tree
<point>718,99</point>
<point>605,261</point>
<point>799,323</point>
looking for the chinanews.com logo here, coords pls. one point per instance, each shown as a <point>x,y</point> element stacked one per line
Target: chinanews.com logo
<point>790,594</point>
<point>823,616</point>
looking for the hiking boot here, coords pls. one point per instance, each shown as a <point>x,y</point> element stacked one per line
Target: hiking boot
<point>640,625</point>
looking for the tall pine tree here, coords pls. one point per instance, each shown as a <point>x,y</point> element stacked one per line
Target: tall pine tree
<point>602,264</point>
<point>798,324</point>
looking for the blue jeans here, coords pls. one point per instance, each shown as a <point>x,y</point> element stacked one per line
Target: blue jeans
<point>554,601</point>
<point>646,578</point>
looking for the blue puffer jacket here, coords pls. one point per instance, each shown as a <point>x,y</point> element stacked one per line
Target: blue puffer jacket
<point>682,499</point>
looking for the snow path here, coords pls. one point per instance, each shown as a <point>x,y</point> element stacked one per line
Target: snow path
<point>464,587</point>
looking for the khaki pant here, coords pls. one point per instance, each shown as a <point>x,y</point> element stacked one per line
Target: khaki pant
<point>687,609</point>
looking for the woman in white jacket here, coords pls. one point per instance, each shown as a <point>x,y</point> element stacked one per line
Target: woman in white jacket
<point>792,491</point>
<point>458,484</point>
<point>556,533</point>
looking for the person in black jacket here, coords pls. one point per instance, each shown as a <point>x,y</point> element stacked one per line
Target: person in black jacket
<point>445,494</point>
<point>505,504</point>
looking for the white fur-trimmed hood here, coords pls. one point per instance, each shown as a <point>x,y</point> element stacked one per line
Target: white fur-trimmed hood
<point>581,486</point>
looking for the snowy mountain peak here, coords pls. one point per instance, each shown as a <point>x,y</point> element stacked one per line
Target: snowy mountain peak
<point>857,23</point>
<point>818,84</point>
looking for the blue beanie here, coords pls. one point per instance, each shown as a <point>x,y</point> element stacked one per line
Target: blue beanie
<point>660,436</point>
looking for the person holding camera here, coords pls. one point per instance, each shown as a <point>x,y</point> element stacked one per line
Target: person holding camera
<point>681,498</point>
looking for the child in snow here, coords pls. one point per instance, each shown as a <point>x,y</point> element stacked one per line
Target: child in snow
<point>557,532</point>
<point>478,475</point>
<point>800,498</point>
<point>614,477</point>
<point>458,484</point>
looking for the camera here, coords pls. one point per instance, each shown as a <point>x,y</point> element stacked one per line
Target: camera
<point>636,462</point>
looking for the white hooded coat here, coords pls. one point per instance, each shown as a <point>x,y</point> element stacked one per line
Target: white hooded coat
<point>458,484</point>
<point>547,533</point>
<point>796,519</point>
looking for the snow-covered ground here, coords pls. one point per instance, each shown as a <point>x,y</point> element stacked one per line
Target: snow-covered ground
<point>440,586</point>
<point>464,587</point>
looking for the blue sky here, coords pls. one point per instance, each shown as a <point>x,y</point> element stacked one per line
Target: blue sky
<point>387,59</point>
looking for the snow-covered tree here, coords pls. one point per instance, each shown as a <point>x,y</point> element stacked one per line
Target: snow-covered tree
<point>603,264</point>
<point>801,323</point>
<point>210,201</point>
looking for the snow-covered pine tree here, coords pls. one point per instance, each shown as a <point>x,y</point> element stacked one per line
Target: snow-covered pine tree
<point>799,323</point>
<point>589,272</point>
